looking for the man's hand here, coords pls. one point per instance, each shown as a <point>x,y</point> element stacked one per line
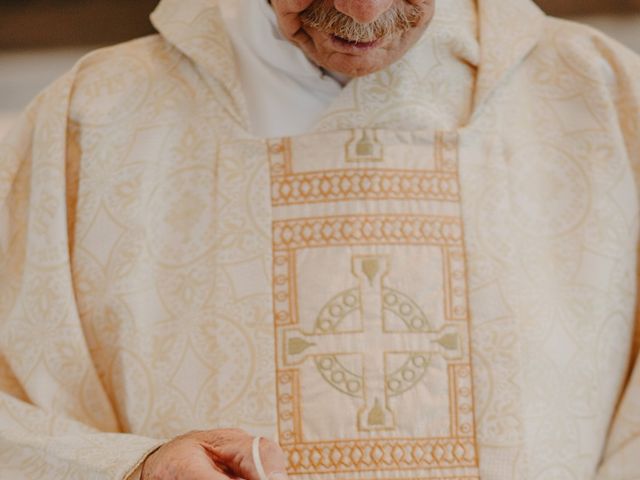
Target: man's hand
<point>214,455</point>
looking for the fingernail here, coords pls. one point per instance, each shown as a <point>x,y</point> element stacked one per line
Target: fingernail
<point>278,476</point>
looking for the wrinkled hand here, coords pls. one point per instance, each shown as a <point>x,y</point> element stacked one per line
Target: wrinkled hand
<point>214,455</point>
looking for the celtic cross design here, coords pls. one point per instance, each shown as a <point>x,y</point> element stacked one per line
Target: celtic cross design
<point>387,322</point>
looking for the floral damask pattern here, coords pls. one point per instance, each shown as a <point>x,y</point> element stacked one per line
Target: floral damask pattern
<point>136,242</point>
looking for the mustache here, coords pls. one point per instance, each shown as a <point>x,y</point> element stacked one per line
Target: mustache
<point>322,15</point>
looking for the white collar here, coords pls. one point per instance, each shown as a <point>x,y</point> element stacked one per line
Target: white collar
<point>260,32</point>
<point>268,12</point>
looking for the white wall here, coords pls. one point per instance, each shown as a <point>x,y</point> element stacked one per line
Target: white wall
<point>24,74</point>
<point>624,28</point>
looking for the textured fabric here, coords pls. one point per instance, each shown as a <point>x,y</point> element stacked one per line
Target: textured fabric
<point>407,291</point>
<point>373,361</point>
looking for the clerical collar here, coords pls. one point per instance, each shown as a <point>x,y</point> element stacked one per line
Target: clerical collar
<point>284,92</point>
<point>267,11</point>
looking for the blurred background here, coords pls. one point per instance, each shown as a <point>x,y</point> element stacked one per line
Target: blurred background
<point>41,39</point>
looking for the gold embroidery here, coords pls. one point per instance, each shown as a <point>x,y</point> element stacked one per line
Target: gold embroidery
<point>311,187</point>
<point>361,456</point>
<point>376,308</point>
<point>368,230</point>
<point>371,343</point>
<point>382,184</point>
<point>364,147</point>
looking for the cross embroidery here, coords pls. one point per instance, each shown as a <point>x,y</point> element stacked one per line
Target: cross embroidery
<point>388,323</point>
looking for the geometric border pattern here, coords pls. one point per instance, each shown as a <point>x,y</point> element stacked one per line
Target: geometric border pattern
<point>433,457</point>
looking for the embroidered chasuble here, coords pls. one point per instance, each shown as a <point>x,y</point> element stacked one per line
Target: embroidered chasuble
<point>437,281</point>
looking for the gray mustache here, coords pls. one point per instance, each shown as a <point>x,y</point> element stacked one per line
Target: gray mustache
<point>321,15</point>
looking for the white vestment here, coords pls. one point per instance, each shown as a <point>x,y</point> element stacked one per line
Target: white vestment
<point>285,92</point>
<point>438,279</point>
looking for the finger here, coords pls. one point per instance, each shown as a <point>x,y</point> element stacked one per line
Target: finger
<point>184,458</point>
<point>232,448</point>
<point>268,457</point>
<point>202,467</point>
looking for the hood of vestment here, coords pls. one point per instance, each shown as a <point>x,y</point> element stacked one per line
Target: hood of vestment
<point>494,42</point>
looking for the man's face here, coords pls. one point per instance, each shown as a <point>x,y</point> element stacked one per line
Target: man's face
<point>353,37</point>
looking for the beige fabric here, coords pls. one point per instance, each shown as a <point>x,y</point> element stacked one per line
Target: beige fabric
<point>147,244</point>
<point>372,320</point>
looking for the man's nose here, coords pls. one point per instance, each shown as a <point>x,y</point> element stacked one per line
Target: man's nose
<point>363,11</point>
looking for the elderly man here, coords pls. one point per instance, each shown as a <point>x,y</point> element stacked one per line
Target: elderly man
<point>393,238</point>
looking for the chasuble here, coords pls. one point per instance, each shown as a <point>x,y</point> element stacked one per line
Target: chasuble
<point>436,281</point>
